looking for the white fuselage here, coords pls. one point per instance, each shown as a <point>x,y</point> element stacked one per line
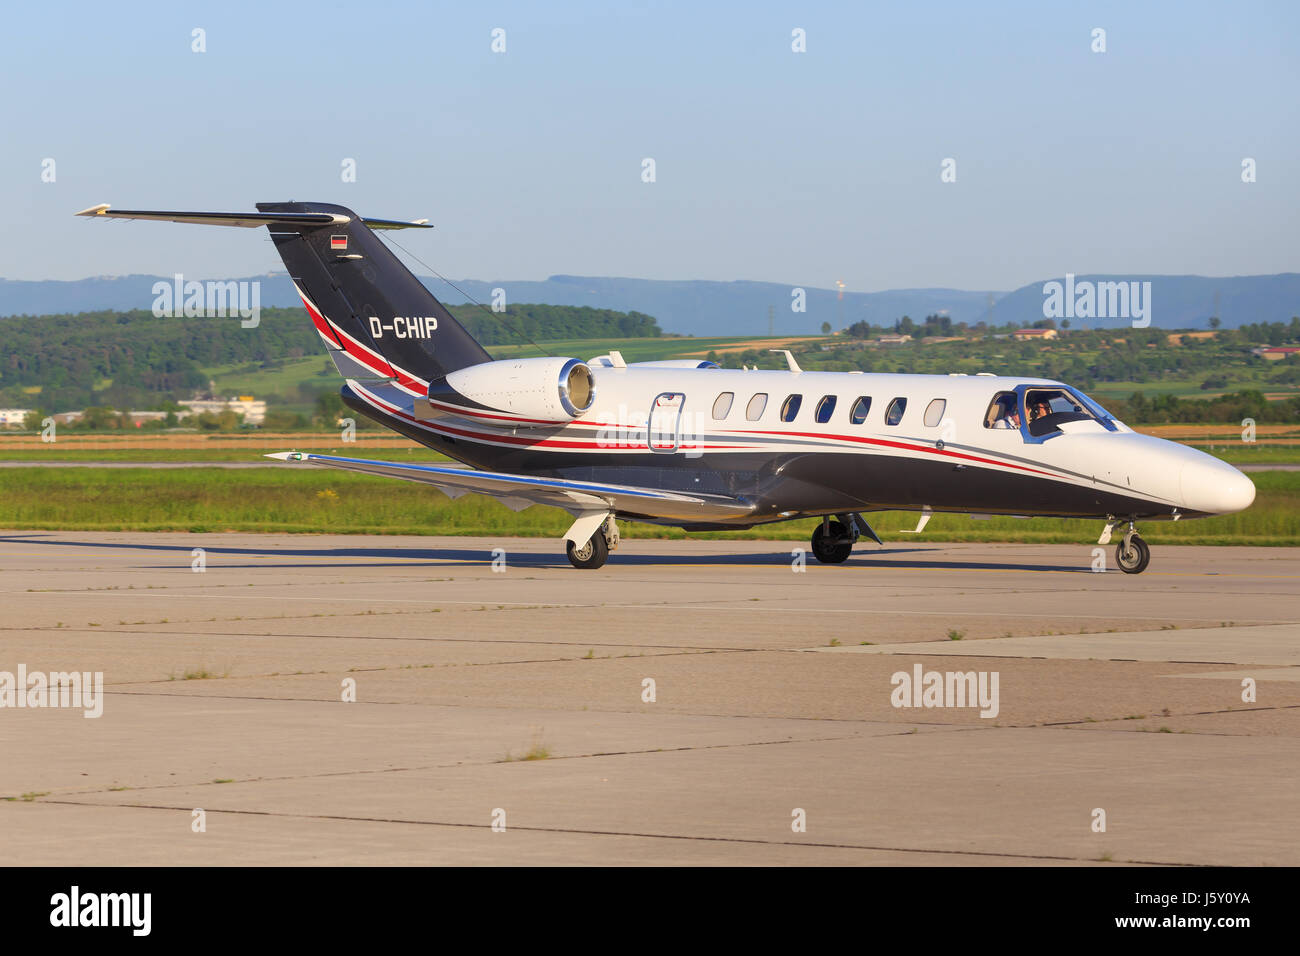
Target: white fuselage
<point>937,442</point>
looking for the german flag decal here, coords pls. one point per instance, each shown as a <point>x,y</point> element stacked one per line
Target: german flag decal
<point>338,242</point>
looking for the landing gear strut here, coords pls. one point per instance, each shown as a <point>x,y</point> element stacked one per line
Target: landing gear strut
<point>832,541</point>
<point>1132,554</point>
<point>596,551</point>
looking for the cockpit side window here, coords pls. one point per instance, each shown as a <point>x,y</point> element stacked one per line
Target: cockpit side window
<point>1003,412</point>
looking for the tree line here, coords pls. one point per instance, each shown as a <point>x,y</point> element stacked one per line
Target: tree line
<point>552,323</point>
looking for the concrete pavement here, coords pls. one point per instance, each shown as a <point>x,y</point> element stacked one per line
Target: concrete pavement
<point>521,696</point>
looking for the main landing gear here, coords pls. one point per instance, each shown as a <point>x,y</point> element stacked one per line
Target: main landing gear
<point>833,539</point>
<point>596,551</point>
<point>1132,553</point>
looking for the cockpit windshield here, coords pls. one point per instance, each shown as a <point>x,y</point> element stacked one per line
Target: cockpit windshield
<point>1048,408</point>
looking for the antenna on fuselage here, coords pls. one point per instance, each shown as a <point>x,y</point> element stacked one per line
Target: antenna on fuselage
<point>789,359</point>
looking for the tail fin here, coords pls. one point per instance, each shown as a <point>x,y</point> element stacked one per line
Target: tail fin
<point>377,319</point>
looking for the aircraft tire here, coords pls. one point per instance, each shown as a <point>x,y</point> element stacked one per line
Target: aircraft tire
<point>593,554</point>
<point>826,549</point>
<point>1135,559</point>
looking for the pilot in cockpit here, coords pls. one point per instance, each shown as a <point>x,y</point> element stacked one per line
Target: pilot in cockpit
<point>1008,415</point>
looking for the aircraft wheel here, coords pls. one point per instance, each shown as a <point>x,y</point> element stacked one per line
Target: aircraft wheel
<point>833,548</point>
<point>592,554</point>
<point>1132,555</point>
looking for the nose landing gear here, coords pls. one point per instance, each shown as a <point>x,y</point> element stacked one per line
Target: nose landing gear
<point>1132,554</point>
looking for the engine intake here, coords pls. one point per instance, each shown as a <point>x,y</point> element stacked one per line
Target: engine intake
<point>538,389</point>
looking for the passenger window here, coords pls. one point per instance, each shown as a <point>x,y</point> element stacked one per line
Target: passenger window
<point>756,406</point>
<point>722,405</point>
<point>858,414</point>
<point>934,412</point>
<point>791,408</point>
<point>825,408</point>
<point>1003,411</point>
<point>894,414</point>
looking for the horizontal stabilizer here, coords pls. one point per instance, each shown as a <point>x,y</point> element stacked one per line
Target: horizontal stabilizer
<point>247,220</point>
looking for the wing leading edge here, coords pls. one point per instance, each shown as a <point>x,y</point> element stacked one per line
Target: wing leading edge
<point>588,501</point>
<point>247,220</point>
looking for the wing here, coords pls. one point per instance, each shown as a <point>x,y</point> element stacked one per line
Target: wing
<point>588,501</point>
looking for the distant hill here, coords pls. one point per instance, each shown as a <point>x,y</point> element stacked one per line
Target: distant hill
<point>710,308</point>
<point>695,307</point>
<point>1177,302</point>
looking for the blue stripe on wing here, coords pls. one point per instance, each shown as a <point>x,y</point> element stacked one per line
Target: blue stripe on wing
<point>505,479</point>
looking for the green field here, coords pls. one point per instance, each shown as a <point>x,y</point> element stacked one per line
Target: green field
<point>289,383</point>
<point>1253,454</point>
<point>1182,388</point>
<point>233,379</point>
<point>317,500</point>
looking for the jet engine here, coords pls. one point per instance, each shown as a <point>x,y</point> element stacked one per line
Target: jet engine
<point>539,389</point>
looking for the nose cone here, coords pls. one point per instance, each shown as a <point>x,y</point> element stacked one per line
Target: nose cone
<point>1214,487</point>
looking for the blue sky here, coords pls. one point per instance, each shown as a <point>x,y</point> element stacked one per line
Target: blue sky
<point>770,165</point>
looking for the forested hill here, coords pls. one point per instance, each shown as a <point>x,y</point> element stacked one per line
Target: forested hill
<point>543,323</point>
<point>135,360</point>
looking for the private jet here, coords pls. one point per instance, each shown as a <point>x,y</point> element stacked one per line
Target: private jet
<point>688,444</point>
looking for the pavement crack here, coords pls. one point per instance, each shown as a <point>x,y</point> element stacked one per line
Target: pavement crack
<point>589,831</point>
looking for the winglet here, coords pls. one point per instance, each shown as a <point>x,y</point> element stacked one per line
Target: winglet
<point>286,456</point>
<point>94,210</point>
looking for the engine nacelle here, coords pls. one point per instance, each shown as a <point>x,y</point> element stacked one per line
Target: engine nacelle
<point>541,389</point>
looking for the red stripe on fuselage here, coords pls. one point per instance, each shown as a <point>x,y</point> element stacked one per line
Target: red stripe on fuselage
<point>366,356</point>
<point>906,447</point>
